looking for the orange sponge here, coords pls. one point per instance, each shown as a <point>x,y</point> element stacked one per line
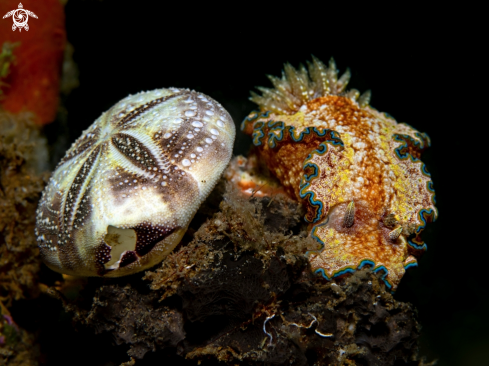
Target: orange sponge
<point>33,80</point>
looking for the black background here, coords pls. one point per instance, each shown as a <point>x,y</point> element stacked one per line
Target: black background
<point>418,62</point>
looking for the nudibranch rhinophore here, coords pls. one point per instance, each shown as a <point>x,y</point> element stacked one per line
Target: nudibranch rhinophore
<point>123,195</point>
<point>367,195</point>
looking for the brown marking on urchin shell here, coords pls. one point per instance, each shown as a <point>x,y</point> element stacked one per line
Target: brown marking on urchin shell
<point>76,192</point>
<point>128,118</point>
<point>83,147</point>
<point>127,258</point>
<point>136,152</point>
<point>148,235</point>
<point>102,256</point>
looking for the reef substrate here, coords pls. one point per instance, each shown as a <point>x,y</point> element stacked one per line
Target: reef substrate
<point>238,290</point>
<point>22,154</point>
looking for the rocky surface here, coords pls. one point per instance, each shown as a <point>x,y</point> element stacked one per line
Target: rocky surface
<point>240,291</point>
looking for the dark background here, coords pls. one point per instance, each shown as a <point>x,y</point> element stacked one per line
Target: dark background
<point>418,62</point>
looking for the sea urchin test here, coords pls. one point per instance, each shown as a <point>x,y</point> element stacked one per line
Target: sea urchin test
<point>367,194</point>
<point>123,195</point>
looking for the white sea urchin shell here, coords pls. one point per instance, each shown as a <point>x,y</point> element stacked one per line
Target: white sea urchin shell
<point>123,195</point>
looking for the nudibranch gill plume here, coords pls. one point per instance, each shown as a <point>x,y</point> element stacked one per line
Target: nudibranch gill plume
<point>123,195</point>
<point>358,172</point>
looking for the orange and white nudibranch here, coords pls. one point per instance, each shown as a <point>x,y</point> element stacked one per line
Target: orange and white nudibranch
<point>367,194</point>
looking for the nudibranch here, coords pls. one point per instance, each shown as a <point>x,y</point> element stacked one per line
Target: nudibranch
<point>123,195</point>
<point>358,172</point>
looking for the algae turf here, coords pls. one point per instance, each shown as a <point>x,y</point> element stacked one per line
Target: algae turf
<point>20,190</point>
<point>21,157</point>
<point>239,290</point>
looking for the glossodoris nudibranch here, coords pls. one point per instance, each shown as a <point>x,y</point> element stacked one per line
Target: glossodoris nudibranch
<point>367,194</point>
<point>123,195</point>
